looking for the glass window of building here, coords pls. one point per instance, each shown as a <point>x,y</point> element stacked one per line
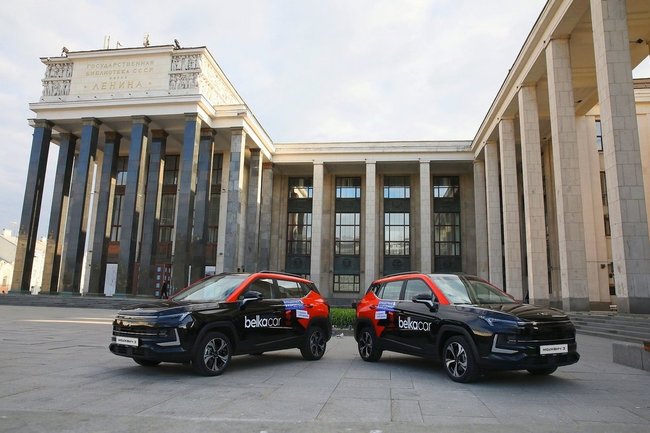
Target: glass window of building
<point>170,173</point>
<point>446,224</point>
<point>347,234</point>
<point>299,233</point>
<point>299,220</point>
<point>214,205</point>
<point>603,189</point>
<point>346,283</point>
<point>116,218</point>
<point>397,187</point>
<point>599,136</point>
<point>348,187</point>
<point>301,187</point>
<point>397,234</point>
<point>121,170</point>
<point>167,211</point>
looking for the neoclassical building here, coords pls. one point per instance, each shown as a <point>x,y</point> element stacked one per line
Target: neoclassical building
<point>165,174</point>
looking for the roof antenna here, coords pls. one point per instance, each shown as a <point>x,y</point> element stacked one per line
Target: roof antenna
<point>177,44</point>
<point>146,42</point>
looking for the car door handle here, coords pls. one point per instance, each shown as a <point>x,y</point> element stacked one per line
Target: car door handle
<point>309,305</point>
<point>373,307</point>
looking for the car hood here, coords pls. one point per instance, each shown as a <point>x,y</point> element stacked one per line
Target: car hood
<point>528,312</point>
<point>167,307</point>
<point>523,312</point>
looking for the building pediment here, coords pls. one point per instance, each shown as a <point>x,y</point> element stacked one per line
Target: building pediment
<point>136,73</point>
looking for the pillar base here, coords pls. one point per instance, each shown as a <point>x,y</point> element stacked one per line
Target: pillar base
<point>575,304</point>
<point>633,305</point>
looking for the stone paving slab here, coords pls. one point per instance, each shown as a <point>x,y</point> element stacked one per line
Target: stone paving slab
<point>57,375</point>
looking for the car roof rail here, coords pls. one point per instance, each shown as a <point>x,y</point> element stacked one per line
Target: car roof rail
<point>282,273</point>
<point>402,273</point>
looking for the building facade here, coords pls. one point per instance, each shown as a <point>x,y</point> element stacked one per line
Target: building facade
<point>164,174</point>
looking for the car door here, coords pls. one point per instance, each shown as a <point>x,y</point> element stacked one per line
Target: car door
<point>385,313</point>
<point>262,322</point>
<point>417,323</point>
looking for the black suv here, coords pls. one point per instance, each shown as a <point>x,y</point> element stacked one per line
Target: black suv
<point>468,324</point>
<point>224,315</point>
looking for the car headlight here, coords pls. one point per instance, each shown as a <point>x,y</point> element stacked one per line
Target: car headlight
<point>494,321</point>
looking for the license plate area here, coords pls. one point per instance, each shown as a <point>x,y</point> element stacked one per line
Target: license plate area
<point>127,341</point>
<point>553,349</point>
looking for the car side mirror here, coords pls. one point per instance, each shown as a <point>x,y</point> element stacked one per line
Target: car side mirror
<point>251,296</point>
<point>427,299</point>
<point>354,305</point>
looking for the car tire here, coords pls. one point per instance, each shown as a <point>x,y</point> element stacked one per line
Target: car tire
<point>458,360</point>
<point>146,362</point>
<point>368,345</point>
<point>542,371</point>
<point>213,354</point>
<point>314,344</point>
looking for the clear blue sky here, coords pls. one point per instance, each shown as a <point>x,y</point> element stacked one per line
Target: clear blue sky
<point>310,70</point>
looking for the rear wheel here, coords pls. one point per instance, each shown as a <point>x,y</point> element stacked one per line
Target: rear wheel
<point>212,355</point>
<point>146,362</point>
<point>458,360</point>
<point>314,345</point>
<point>368,345</point>
<point>542,371</point>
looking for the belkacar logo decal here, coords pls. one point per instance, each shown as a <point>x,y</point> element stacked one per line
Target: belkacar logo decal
<point>261,322</point>
<point>414,325</point>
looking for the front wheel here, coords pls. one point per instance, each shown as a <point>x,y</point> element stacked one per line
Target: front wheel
<point>146,362</point>
<point>368,345</point>
<point>542,371</point>
<point>212,355</point>
<point>458,360</point>
<point>313,347</point>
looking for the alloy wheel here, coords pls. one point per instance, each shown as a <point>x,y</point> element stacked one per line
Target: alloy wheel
<point>456,359</point>
<point>216,354</point>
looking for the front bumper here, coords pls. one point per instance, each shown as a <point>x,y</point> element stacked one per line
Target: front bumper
<point>527,355</point>
<point>151,351</point>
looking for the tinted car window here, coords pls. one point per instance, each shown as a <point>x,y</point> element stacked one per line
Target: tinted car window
<point>216,288</point>
<point>487,294</point>
<point>390,290</point>
<point>453,288</point>
<point>416,287</point>
<point>264,286</point>
<point>289,289</point>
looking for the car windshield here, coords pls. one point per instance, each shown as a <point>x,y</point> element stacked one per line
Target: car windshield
<point>473,291</point>
<point>216,288</point>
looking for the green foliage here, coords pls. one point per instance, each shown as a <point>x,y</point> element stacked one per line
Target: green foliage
<point>342,317</point>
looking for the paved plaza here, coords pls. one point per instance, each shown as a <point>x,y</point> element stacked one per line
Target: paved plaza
<point>57,375</point>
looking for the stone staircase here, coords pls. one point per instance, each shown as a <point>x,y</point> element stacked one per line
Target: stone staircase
<point>632,328</point>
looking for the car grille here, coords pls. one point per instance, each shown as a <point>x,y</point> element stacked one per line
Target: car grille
<point>142,331</point>
<point>547,331</point>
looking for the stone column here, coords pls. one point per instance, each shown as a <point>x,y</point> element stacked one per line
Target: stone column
<point>73,251</point>
<point>252,231</point>
<point>317,223</point>
<point>531,160</point>
<point>571,238</point>
<point>58,213</point>
<point>201,203</point>
<point>493,197</point>
<point>370,232</point>
<point>185,201</point>
<point>425,217</point>
<point>151,218</point>
<point>266,211</point>
<point>510,197</point>
<point>233,208</point>
<point>625,193</point>
<point>104,214</point>
<point>30,215</point>
<point>133,205</point>
<point>480,211</point>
